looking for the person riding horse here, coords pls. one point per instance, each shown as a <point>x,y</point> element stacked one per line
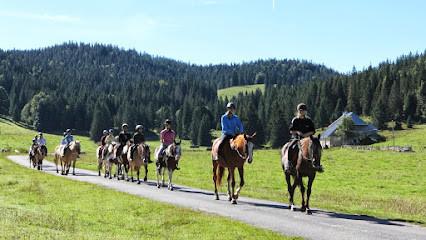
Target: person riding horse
<point>42,142</point>
<point>231,126</point>
<point>33,145</point>
<point>109,139</point>
<point>167,137</point>
<point>67,140</point>
<point>123,138</point>
<point>102,141</point>
<point>300,127</point>
<point>138,138</point>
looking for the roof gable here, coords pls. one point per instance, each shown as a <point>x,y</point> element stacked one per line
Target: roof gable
<point>357,122</point>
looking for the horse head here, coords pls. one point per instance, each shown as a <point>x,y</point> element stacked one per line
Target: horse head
<point>316,149</point>
<point>75,147</point>
<point>146,153</point>
<point>175,150</point>
<point>248,147</point>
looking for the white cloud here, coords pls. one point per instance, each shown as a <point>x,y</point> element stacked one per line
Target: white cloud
<point>46,17</point>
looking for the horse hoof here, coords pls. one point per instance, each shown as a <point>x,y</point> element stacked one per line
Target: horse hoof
<point>234,201</point>
<point>99,174</point>
<point>139,182</point>
<point>145,179</point>
<point>171,189</point>
<point>73,173</point>
<point>309,212</point>
<point>217,198</point>
<point>110,177</point>
<point>292,208</point>
<point>128,179</point>
<point>159,186</point>
<point>303,209</point>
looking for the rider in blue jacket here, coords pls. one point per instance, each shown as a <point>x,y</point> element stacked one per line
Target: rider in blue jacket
<point>231,126</point>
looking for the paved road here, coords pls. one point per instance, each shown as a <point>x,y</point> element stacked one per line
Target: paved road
<point>262,213</point>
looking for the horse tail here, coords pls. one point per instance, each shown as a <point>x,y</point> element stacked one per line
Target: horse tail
<point>220,172</point>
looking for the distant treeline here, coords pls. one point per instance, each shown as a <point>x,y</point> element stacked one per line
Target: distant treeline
<point>94,87</point>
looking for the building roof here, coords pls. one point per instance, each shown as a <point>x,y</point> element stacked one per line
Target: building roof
<point>357,122</point>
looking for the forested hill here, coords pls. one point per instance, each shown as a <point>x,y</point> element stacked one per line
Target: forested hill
<point>93,87</point>
<point>77,81</point>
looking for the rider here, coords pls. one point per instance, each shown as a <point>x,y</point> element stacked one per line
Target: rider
<point>33,145</point>
<point>109,139</point>
<point>300,127</point>
<point>167,137</point>
<point>231,126</point>
<point>105,133</point>
<point>123,138</point>
<point>138,138</point>
<point>63,139</point>
<point>67,140</point>
<point>42,141</point>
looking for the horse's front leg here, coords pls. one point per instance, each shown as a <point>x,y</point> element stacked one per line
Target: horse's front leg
<point>170,186</point>
<point>139,182</point>
<point>146,173</point>
<point>117,170</point>
<point>310,181</point>
<point>73,167</point>
<point>157,171</point>
<point>110,170</point>
<point>215,179</point>
<point>302,191</point>
<point>241,172</point>
<point>228,180</point>
<point>291,188</point>
<point>163,170</point>
<point>234,200</point>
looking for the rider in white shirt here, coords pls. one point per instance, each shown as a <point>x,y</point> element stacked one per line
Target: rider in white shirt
<point>41,140</point>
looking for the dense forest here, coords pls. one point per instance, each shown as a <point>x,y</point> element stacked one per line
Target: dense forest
<point>92,87</point>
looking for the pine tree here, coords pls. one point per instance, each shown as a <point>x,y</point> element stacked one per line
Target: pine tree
<point>4,101</point>
<point>101,120</point>
<point>204,137</point>
<point>378,114</point>
<point>279,133</point>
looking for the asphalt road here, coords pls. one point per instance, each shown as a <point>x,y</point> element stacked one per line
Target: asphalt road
<point>276,216</point>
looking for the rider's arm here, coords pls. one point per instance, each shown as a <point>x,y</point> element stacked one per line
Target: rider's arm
<point>161,136</point>
<point>239,125</point>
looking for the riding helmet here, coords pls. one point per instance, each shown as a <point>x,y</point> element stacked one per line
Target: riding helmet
<point>40,133</point>
<point>167,122</point>
<point>302,106</point>
<point>230,105</point>
<point>105,132</point>
<point>124,125</point>
<point>111,130</point>
<point>139,127</point>
<point>68,130</point>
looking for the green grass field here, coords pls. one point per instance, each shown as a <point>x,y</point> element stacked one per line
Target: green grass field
<point>383,184</point>
<point>35,205</point>
<point>234,91</point>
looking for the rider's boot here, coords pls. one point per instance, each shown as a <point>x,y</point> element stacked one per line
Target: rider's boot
<point>177,166</point>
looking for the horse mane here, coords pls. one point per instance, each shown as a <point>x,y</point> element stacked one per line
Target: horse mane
<point>238,142</point>
<point>305,145</point>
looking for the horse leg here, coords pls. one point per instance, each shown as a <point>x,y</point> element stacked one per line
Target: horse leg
<point>234,199</point>
<point>99,167</point>
<point>158,176</point>
<point>139,182</point>
<point>162,176</point>
<point>117,170</point>
<point>170,180</point>
<point>73,167</point>
<point>214,179</point>
<point>228,179</point>
<point>241,172</point>
<point>131,173</point>
<point>110,170</point>
<point>302,191</point>
<point>126,168</point>
<point>146,173</point>
<point>292,189</point>
<point>310,181</point>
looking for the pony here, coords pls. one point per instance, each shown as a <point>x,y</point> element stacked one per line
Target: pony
<point>123,162</point>
<point>234,154</point>
<point>141,156</point>
<point>99,158</point>
<point>69,157</point>
<point>172,155</point>
<point>109,160</point>
<point>39,153</point>
<point>305,160</point>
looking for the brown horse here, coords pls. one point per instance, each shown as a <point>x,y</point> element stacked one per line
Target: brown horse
<point>70,157</point>
<point>305,163</point>
<point>140,158</point>
<point>172,155</point>
<point>123,162</point>
<point>234,155</point>
<point>39,153</point>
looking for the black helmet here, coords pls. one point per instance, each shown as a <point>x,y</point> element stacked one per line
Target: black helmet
<point>230,104</point>
<point>167,122</point>
<point>139,127</point>
<point>68,130</point>
<point>302,106</point>
<point>124,125</point>
<point>40,133</point>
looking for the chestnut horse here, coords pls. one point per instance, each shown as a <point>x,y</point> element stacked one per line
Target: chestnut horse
<point>141,156</point>
<point>172,155</point>
<point>123,162</point>
<point>234,155</point>
<point>69,157</point>
<point>305,162</point>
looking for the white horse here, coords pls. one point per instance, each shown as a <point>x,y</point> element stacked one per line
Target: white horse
<point>169,161</point>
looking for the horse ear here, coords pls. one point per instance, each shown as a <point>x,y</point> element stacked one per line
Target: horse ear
<point>254,135</point>
<point>312,138</point>
<point>180,140</point>
<point>245,136</point>
<point>319,136</point>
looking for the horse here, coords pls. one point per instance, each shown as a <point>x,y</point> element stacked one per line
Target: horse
<point>305,162</point>
<point>172,156</point>
<point>99,158</point>
<point>234,155</point>
<point>109,160</point>
<point>123,162</point>
<point>39,153</point>
<point>141,156</point>
<point>69,157</point>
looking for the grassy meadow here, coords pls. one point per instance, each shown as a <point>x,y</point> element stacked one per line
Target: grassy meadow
<point>234,91</point>
<point>377,183</point>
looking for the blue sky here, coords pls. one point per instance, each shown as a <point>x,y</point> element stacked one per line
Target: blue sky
<point>340,34</point>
